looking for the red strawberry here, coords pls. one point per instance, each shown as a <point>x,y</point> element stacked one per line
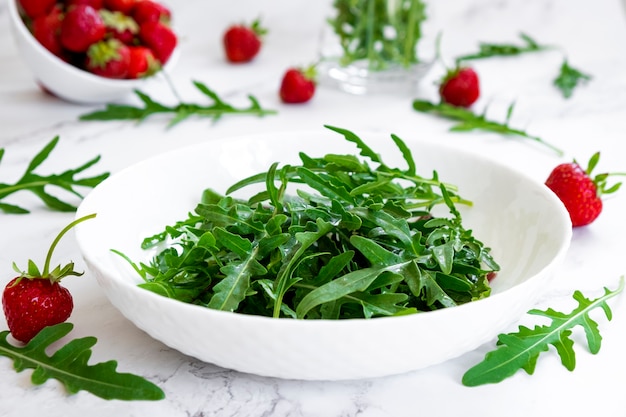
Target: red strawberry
<point>298,85</point>
<point>242,42</point>
<point>460,87</point>
<point>160,38</point>
<point>96,4</point>
<point>142,62</point>
<point>110,58</point>
<point>124,6</point>
<point>47,28</point>
<point>36,8</point>
<point>579,192</point>
<point>120,26</point>
<point>35,299</point>
<point>151,11</point>
<point>82,26</point>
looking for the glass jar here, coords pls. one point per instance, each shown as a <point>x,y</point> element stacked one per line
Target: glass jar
<point>371,46</point>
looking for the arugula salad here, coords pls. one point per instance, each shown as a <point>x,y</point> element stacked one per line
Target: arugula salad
<point>335,237</point>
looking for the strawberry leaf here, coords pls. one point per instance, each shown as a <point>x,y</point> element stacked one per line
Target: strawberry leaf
<point>521,349</point>
<point>69,366</point>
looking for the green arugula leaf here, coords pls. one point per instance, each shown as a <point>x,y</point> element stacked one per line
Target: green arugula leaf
<point>357,242</point>
<point>569,78</point>
<point>232,289</point>
<point>521,349</point>
<point>469,121</point>
<point>69,366</point>
<point>181,111</point>
<point>39,184</point>
<point>489,50</point>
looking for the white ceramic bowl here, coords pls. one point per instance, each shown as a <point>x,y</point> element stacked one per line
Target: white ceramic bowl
<point>520,219</point>
<point>64,80</point>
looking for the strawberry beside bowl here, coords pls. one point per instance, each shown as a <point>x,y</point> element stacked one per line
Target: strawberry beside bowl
<point>523,222</point>
<point>68,81</point>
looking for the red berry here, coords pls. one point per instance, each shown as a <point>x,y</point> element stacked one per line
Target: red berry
<point>109,59</point>
<point>142,62</point>
<point>96,4</point>
<point>242,43</point>
<point>297,86</point>
<point>159,38</point>
<point>82,26</point>
<point>119,26</point>
<point>36,8</point>
<point>123,6</point>
<point>35,299</point>
<point>579,192</point>
<point>460,87</point>
<point>151,11</point>
<point>30,304</point>
<point>47,29</point>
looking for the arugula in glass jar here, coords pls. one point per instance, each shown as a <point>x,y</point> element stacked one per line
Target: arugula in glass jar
<point>383,32</point>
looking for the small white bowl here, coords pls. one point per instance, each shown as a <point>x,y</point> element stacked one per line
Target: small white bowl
<point>64,80</point>
<point>523,222</point>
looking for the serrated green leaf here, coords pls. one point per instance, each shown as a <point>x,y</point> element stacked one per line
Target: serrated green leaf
<point>338,288</point>
<point>569,78</point>
<point>69,365</point>
<point>376,254</point>
<point>233,242</point>
<point>468,121</point>
<point>520,350</point>
<point>38,184</point>
<point>181,111</point>
<point>231,290</point>
<point>366,151</point>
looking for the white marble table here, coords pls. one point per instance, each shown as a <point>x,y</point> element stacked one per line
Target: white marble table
<point>591,34</point>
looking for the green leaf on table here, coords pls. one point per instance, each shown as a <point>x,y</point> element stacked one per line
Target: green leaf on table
<point>569,78</point>
<point>520,350</point>
<point>40,184</point>
<point>489,50</point>
<point>179,112</point>
<point>469,121</point>
<point>69,366</point>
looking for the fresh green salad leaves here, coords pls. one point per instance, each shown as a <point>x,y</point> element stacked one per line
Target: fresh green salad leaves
<point>38,184</point>
<point>181,111</point>
<point>521,349</point>
<point>568,78</point>
<point>489,50</point>
<point>469,121</point>
<point>69,366</point>
<point>353,241</point>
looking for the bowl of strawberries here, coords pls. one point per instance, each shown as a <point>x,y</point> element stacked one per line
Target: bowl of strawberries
<point>93,51</point>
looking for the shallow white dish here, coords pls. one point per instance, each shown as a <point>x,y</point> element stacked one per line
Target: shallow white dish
<point>64,80</point>
<point>522,221</point>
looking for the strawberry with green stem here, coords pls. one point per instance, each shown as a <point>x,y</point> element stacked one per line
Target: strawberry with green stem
<point>460,86</point>
<point>110,59</point>
<point>580,192</point>
<point>298,85</point>
<point>35,299</point>
<point>242,42</point>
